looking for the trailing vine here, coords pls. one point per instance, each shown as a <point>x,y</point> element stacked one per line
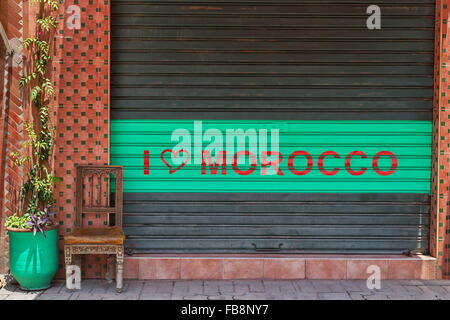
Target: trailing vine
<point>37,190</point>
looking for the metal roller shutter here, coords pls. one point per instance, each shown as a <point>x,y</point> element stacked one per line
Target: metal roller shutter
<point>357,102</point>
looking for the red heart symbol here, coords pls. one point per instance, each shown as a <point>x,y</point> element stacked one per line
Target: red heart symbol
<point>175,154</point>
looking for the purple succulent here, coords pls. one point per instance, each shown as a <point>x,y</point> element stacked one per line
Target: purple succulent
<point>39,223</point>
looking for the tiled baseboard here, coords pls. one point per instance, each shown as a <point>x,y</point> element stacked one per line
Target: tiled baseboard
<point>218,267</point>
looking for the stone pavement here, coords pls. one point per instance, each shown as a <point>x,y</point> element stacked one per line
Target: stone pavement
<point>239,290</point>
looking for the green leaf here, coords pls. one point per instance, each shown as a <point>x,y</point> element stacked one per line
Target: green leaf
<point>35,92</point>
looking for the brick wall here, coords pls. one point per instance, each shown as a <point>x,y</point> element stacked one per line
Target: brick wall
<point>3,261</point>
<point>81,108</point>
<point>11,118</point>
<point>440,233</point>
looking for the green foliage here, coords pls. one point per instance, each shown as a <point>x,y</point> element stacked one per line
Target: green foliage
<point>37,190</point>
<point>27,79</point>
<point>48,88</point>
<point>17,222</point>
<point>35,93</point>
<point>47,23</point>
<point>53,3</point>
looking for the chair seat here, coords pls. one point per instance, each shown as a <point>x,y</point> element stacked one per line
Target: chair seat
<point>107,235</point>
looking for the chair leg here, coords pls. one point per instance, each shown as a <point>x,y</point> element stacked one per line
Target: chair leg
<point>77,260</point>
<point>119,270</point>
<point>68,262</point>
<point>109,264</point>
<point>67,256</point>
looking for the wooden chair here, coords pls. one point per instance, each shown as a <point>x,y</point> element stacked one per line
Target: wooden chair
<point>93,240</point>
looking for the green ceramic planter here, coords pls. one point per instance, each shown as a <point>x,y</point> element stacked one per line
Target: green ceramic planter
<point>33,259</point>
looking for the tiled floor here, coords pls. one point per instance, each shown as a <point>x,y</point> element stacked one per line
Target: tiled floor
<point>239,290</point>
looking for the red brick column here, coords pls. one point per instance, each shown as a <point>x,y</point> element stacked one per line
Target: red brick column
<point>440,236</point>
<point>11,118</point>
<point>81,67</point>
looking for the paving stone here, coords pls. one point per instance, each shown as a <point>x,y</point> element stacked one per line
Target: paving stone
<point>285,297</point>
<point>131,287</point>
<point>324,282</point>
<point>221,297</point>
<point>376,297</point>
<point>398,296</point>
<point>305,286</point>
<point>225,286</point>
<point>436,282</point>
<point>354,285</point>
<point>103,287</point>
<point>150,286</point>
<point>413,290</point>
<point>195,297</point>
<point>411,282</point>
<point>446,288</point>
<point>425,297</point>
<point>240,287</point>
<point>210,288</point>
<point>282,290</point>
<point>179,283</point>
<point>287,287</point>
<point>85,296</point>
<point>56,287</point>
<point>195,287</point>
<point>307,296</point>
<point>327,286</point>
<point>334,296</point>
<point>261,296</point>
<point>385,286</point>
<point>156,296</point>
<point>88,285</point>
<point>4,296</point>
<point>112,289</point>
<point>254,285</point>
<point>356,296</point>
<point>22,297</point>
<point>436,290</point>
<point>54,296</point>
<point>272,286</point>
<point>9,288</point>
<point>157,286</point>
<point>120,296</point>
<point>374,292</point>
<point>30,292</point>
<point>180,287</point>
<point>394,289</point>
<point>112,297</point>
<point>131,296</point>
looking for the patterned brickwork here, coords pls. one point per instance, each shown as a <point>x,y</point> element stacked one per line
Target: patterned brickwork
<point>11,117</point>
<point>3,20</point>
<point>81,68</point>
<point>440,234</point>
<point>439,184</point>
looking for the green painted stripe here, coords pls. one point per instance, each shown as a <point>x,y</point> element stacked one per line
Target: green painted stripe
<point>410,141</point>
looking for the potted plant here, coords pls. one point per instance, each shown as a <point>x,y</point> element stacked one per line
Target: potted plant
<point>33,249</point>
<point>33,241</point>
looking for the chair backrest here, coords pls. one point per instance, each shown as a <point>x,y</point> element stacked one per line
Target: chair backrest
<point>94,203</point>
